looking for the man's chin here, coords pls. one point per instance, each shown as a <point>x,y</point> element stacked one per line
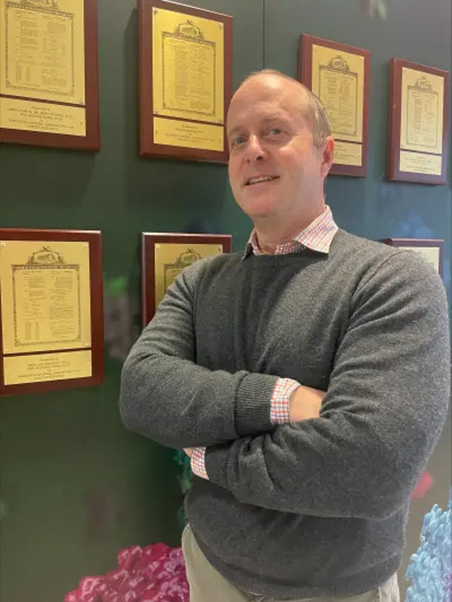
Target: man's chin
<point>258,210</point>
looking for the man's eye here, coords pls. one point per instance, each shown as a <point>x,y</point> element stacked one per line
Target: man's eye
<point>275,131</point>
<point>238,141</point>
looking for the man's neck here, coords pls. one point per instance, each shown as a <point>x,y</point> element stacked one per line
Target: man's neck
<point>271,234</point>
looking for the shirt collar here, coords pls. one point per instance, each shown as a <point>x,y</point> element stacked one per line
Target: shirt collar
<point>318,236</point>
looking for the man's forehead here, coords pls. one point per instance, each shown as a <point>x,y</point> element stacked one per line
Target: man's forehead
<point>268,85</point>
<point>262,111</point>
<point>279,93</point>
<point>259,113</point>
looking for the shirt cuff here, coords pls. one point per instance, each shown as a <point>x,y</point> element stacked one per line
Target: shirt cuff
<point>198,462</point>
<point>280,401</point>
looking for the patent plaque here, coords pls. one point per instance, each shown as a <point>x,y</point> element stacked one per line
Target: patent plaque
<point>165,256</point>
<point>431,249</point>
<point>48,73</point>
<point>51,310</point>
<point>185,81</point>
<point>339,76</point>
<point>418,125</point>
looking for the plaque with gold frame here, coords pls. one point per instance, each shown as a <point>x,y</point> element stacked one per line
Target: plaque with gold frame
<point>51,313</point>
<point>185,81</point>
<point>418,123</point>
<point>339,75</point>
<point>165,256</point>
<point>430,248</point>
<point>49,73</point>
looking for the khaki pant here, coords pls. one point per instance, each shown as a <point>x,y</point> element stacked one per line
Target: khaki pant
<point>207,585</point>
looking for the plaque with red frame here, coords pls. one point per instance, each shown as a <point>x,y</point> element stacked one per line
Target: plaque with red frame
<point>185,81</point>
<point>49,73</point>
<point>418,123</point>
<point>339,75</point>
<point>431,249</point>
<point>165,256</point>
<point>51,310</point>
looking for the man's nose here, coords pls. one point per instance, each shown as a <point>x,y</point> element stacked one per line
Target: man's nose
<point>254,150</point>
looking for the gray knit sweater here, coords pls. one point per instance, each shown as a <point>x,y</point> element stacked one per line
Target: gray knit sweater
<point>319,507</point>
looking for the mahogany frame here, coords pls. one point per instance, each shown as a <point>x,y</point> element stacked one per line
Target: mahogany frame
<point>394,124</point>
<point>90,142</point>
<point>148,148</point>
<point>94,238</point>
<point>421,243</point>
<point>305,76</point>
<point>148,242</point>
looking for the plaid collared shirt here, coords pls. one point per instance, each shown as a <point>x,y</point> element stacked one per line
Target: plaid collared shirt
<point>318,236</point>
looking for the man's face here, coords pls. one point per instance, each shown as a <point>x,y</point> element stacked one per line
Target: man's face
<point>274,168</point>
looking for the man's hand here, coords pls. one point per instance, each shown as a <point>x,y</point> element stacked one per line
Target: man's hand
<point>188,451</point>
<point>305,403</point>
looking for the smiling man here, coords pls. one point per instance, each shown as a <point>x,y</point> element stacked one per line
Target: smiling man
<point>307,376</point>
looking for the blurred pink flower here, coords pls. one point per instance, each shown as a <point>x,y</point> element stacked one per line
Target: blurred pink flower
<point>152,574</point>
<point>423,486</point>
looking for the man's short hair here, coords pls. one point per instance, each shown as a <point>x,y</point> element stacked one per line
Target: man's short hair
<point>313,109</point>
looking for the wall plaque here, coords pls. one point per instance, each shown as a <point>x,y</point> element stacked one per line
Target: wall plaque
<point>185,81</point>
<point>164,256</point>
<point>48,73</point>
<point>340,76</point>
<point>51,315</point>
<point>431,249</point>
<point>418,123</point>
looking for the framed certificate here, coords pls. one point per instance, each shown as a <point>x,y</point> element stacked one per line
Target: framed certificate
<point>430,248</point>
<point>51,315</point>
<point>48,73</point>
<point>185,81</point>
<point>418,123</point>
<point>340,76</point>
<point>165,256</point>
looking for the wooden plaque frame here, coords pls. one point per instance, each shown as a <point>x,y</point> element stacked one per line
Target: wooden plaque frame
<point>305,76</point>
<point>90,142</point>
<point>148,148</point>
<point>148,242</point>
<point>421,243</point>
<point>94,238</point>
<point>395,109</point>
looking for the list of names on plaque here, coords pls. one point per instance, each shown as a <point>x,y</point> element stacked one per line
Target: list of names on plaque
<point>42,58</point>
<point>421,127</point>
<point>338,80</point>
<point>46,307</point>
<point>188,80</point>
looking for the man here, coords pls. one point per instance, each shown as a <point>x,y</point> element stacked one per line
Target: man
<point>293,501</point>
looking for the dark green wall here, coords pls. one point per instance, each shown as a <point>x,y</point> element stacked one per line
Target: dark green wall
<point>75,487</point>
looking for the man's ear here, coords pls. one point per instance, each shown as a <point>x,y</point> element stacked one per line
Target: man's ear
<point>328,156</point>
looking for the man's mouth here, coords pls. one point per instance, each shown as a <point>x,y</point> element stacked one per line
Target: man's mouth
<point>260,180</point>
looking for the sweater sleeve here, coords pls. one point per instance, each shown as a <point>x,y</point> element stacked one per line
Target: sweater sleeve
<point>167,397</point>
<point>383,412</point>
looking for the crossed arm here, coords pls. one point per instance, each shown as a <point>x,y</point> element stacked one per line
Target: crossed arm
<point>167,397</point>
<point>379,420</point>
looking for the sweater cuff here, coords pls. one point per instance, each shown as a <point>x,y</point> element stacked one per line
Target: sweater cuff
<point>252,404</point>
<point>216,463</point>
